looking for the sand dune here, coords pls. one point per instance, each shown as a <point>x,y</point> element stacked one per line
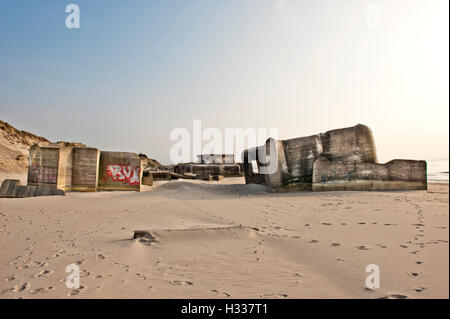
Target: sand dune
<point>226,240</point>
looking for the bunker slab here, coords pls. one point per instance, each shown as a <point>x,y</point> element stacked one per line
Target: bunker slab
<point>344,176</point>
<point>85,169</point>
<point>119,171</point>
<point>9,188</point>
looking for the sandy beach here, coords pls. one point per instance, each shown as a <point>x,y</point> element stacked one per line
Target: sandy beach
<point>226,240</point>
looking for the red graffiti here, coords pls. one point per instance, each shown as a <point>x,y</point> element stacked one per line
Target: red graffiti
<point>124,173</point>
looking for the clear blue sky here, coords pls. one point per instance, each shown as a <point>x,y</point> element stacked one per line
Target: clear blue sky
<point>137,69</point>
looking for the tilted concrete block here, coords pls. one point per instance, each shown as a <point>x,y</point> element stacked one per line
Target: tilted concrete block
<point>9,188</point>
<point>31,191</point>
<point>21,191</point>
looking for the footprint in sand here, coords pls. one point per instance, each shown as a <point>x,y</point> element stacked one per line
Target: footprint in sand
<point>216,293</point>
<point>41,290</point>
<point>420,289</point>
<point>361,223</point>
<point>419,262</point>
<point>362,247</point>
<point>141,276</point>
<point>42,273</point>
<point>75,292</point>
<point>272,295</point>
<point>101,257</point>
<point>413,274</point>
<point>335,245</point>
<point>327,224</point>
<point>9,278</point>
<point>394,296</point>
<point>313,241</point>
<point>181,283</point>
<point>21,287</point>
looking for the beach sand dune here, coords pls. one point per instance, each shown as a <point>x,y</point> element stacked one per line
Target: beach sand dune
<point>226,240</point>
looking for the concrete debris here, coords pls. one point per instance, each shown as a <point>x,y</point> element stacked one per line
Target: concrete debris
<point>11,188</point>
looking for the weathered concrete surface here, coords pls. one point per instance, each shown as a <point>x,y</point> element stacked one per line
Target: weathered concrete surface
<point>65,167</point>
<point>85,169</point>
<point>214,164</point>
<point>45,190</point>
<point>218,178</point>
<point>119,171</point>
<point>227,170</point>
<point>249,167</point>
<point>296,157</point>
<point>147,179</point>
<point>216,158</point>
<point>345,176</point>
<point>31,191</point>
<point>64,177</point>
<point>50,165</point>
<point>21,191</point>
<point>43,166</point>
<point>11,188</point>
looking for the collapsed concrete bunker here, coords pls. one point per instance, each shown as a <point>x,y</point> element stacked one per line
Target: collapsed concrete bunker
<point>211,164</point>
<point>83,169</point>
<point>341,159</point>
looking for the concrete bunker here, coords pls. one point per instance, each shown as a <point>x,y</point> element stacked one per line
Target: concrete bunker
<point>119,171</point>
<point>293,161</point>
<point>83,169</point>
<point>50,166</point>
<point>211,164</point>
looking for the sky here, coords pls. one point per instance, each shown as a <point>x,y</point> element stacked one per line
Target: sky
<point>136,70</point>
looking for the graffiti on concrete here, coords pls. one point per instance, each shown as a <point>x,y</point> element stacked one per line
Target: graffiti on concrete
<point>124,173</point>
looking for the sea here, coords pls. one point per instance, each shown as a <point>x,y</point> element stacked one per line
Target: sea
<point>438,171</point>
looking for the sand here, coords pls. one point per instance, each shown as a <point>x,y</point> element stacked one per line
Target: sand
<point>226,240</point>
